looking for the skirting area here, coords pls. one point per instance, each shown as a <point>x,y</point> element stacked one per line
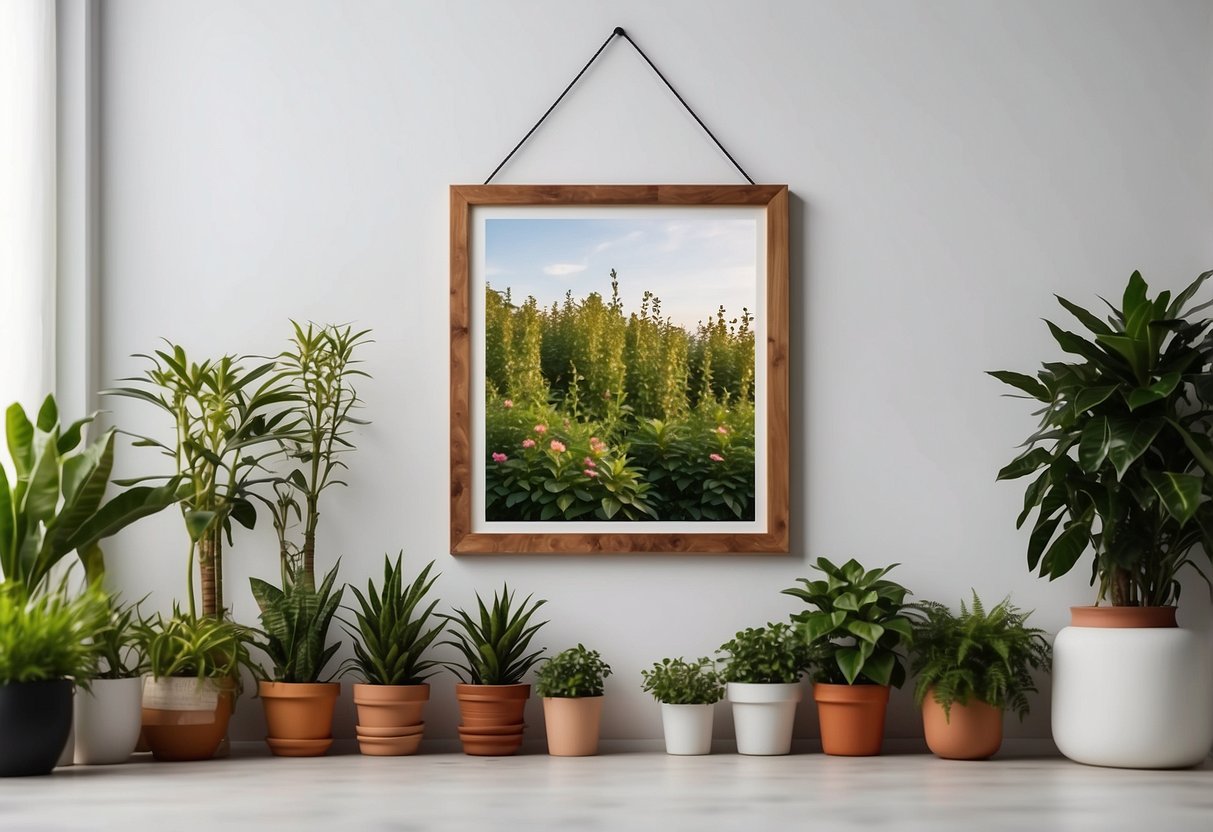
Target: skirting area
<point>624,790</point>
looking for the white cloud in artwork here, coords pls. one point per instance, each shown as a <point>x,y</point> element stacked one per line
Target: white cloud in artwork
<point>562,269</point>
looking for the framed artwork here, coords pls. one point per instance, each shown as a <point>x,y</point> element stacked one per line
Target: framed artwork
<point>619,368</point>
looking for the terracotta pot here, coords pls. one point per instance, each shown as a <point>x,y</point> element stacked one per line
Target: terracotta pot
<point>968,732</point>
<point>387,706</point>
<point>184,719</point>
<point>852,718</point>
<point>495,707</point>
<point>299,716</point>
<point>1139,617</point>
<point>389,746</point>
<point>572,724</point>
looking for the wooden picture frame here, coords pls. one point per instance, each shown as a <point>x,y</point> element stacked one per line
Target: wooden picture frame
<point>471,533</point>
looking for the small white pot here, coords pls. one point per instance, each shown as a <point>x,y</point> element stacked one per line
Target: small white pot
<point>688,728</point>
<point>763,716</point>
<point>108,719</point>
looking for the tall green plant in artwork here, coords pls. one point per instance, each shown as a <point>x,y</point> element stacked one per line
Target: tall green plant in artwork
<point>227,421</point>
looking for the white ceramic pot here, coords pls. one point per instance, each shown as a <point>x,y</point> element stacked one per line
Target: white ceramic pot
<point>688,728</point>
<point>763,716</point>
<point>1132,697</point>
<point>108,720</point>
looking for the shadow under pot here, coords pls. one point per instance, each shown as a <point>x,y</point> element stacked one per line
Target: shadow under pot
<point>186,718</point>
<point>299,716</point>
<point>491,718</point>
<point>35,721</point>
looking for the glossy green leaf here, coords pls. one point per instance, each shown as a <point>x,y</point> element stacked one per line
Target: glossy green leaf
<point>1180,493</point>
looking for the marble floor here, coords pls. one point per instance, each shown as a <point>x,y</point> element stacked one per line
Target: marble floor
<point>621,790</point>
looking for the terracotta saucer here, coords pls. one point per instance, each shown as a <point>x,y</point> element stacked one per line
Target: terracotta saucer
<point>392,731</point>
<point>298,748</point>
<point>494,730</point>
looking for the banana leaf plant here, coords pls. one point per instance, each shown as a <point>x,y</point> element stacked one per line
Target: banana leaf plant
<point>494,644</point>
<point>1122,462</point>
<point>295,621</point>
<point>56,503</point>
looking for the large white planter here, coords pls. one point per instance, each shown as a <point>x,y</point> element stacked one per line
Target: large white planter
<point>688,728</point>
<point>1132,697</point>
<point>763,716</point>
<point>108,720</point>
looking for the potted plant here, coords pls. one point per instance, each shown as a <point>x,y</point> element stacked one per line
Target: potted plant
<point>491,694</point>
<point>390,640</point>
<point>762,675</point>
<point>970,668</point>
<point>299,706</point>
<point>44,650</point>
<point>1121,465</point>
<point>108,715</point>
<point>855,629</point>
<point>194,667</point>
<point>688,693</point>
<point>571,685</point>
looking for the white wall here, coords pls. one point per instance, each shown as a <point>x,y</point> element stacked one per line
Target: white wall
<point>952,164</point>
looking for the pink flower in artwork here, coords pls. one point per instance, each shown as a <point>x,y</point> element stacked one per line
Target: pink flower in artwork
<point>589,462</point>
<point>716,457</point>
<point>499,457</point>
<point>722,430</point>
<point>590,472</point>
<point>541,428</point>
<point>597,446</point>
<point>507,404</point>
<point>528,443</point>
<point>557,446</point>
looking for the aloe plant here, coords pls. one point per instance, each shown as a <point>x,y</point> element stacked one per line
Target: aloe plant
<point>295,621</point>
<point>1123,457</point>
<point>494,644</point>
<point>55,505</point>
<point>391,636</point>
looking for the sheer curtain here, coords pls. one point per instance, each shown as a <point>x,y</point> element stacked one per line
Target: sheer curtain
<point>27,200</point>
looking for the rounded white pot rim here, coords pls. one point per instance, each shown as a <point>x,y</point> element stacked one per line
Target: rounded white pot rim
<point>754,693</point>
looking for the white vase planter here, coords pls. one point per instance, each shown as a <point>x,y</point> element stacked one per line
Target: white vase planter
<point>688,728</point>
<point>108,720</point>
<point>763,716</point>
<point>1132,697</point>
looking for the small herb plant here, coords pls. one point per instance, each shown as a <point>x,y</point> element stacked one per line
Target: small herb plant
<point>203,647</point>
<point>117,644</point>
<point>679,682</point>
<point>575,672</point>
<point>984,655</point>
<point>296,622</point>
<point>856,626</point>
<point>494,644</point>
<point>392,635</point>
<point>47,636</point>
<point>774,654</point>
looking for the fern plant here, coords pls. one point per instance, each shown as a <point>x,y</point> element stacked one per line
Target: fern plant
<point>572,673</point>
<point>295,621</point>
<point>494,644</point>
<point>981,655</point>
<point>46,636</point>
<point>679,682</point>
<point>391,634</point>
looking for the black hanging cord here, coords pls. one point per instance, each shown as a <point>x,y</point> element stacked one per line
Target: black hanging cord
<point>619,32</point>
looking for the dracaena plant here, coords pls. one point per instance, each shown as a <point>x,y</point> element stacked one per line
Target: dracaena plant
<point>494,644</point>
<point>392,632</point>
<point>774,654</point>
<point>679,682</point>
<point>977,655</point>
<point>856,626</point>
<point>1122,461</point>
<point>55,504</point>
<point>295,621</point>
<point>227,421</point>
<point>572,673</point>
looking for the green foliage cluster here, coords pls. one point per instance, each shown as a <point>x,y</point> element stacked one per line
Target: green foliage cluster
<point>204,647</point>
<point>575,672</point>
<point>1123,450</point>
<point>649,421</point>
<point>117,643</point>
<point>391,634</point>
<point>856,626</point>
<point>494,644</point>
<point>977,655</point>
<point>774,654</point>
<point>295,621</point>
<point>679,682</point>
<point>47,635</point>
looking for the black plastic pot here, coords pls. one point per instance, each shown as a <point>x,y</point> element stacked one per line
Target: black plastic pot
<point>35,719</point>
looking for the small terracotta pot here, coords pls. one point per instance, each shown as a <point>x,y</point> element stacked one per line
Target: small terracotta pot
<point>387,706</point>
<point>493,707</point>
<point>852,718</point>
<point>969,732</point>
<point>178,731</point>
<point>299,716</point>
<point>1116,617</point>
<point>572,724</point>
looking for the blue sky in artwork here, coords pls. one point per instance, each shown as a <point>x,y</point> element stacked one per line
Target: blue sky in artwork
<point>693,264</point>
